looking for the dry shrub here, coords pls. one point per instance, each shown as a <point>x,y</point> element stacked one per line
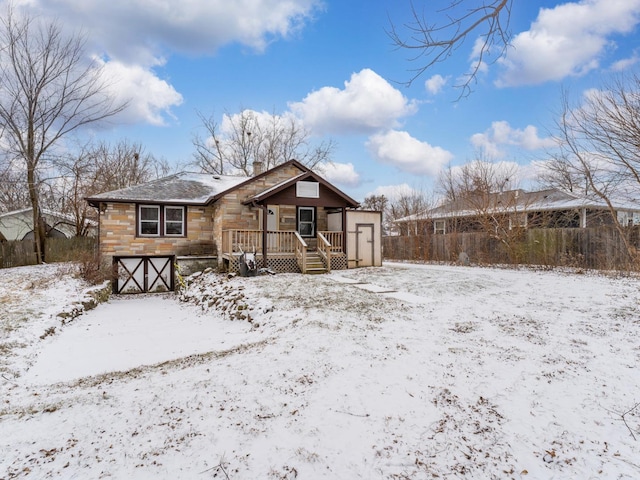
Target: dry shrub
<point>92,269</point>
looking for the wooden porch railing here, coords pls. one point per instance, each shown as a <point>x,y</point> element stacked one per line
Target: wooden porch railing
<point>324,249</point>
<point>235,241</point>
<point>281,242</point>
<point>301,252</point>
<point>288,243</point>
<point>334,239</point>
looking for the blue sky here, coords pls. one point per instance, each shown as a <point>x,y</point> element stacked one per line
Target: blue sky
<point>332,64</point>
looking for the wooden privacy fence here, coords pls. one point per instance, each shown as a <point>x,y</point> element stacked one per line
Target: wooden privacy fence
<point>21,252</point>
<point>596,248</point>
<point>17,253</point>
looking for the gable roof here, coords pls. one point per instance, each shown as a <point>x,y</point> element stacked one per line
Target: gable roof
<point>269,192</point>
<point>517,201</point>
<point>186,188</point>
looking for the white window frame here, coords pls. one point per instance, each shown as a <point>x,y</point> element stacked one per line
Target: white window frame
<point>166,222</point>
<point>439,230</point>
<point>517,220</point>
<point>141,221</point>
<point>312,222</point>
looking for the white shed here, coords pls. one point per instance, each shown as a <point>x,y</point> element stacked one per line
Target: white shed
<point>364,238</point>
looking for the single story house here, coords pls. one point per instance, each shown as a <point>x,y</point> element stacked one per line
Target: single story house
<point>289,217</point>
<point>18,224</point>
<point>550,208</point>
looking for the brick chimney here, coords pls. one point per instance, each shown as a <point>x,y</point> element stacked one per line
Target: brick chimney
<point>258,168</point>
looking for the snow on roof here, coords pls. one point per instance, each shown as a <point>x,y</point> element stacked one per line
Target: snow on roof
<point>278,185</point>
<point>185,188</point>
<point>48,213</point>
<point>520,201</point>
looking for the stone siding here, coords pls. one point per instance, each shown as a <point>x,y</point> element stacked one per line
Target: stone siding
<point>231,214</point>
<point>118,234</point>
<point>204,224</point>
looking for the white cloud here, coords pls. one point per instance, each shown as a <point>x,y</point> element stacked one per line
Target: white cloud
<point>134,31</point>
<point>501,134</point>
<point>435,84</point>
<point>394,192</point>
<point>137,36</point>
<point>367,103</point>
<point>567,40</point>
<point>339,173</point>
<point>407,153</point>
<point>625,63</point>
<point>150,98</point>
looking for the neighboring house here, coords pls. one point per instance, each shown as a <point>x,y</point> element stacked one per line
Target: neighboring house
<point>18,225</point>
<point>289,216</point>
<point>549,208</point>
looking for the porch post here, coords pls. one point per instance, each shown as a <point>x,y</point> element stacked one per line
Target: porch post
<point>265,212</point>
<point>344,229</point>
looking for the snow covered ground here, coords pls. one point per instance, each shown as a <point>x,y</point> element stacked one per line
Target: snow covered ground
<point>404,371</point>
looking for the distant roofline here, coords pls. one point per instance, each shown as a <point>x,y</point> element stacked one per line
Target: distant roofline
<point>441,212</point>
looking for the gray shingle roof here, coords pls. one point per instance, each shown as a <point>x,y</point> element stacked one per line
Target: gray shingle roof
<point>184,188</point>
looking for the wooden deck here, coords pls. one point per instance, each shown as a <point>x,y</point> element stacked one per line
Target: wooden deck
<point>286,251</point>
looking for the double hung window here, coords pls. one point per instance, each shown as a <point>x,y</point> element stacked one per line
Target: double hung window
<point>440,227</point>
<point>174,221</point>
<point>149,223</point>
<point>157,221</point>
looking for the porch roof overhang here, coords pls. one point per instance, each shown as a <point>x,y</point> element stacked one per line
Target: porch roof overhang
<point>262,197</point>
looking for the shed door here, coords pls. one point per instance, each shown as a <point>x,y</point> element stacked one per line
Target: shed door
<point>364,244</point>
<point>143,274</point>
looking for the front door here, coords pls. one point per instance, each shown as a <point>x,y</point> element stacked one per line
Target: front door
<point>273,224</point>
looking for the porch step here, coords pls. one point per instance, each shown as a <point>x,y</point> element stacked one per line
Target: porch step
<point>314,264</point>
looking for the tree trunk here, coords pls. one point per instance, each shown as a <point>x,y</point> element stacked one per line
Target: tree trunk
<point>37,230</point>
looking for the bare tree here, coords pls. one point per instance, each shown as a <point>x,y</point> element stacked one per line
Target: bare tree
<point>378,203</point>
<point>49,90</point>
<point>375,202</point>
<point>249,136</point>
<point>434,35</point>
<point>14,194</point>
<point>473,182</point>
<point>599,142</point>
<point>415,203</point>
<point>488,192</point>
<point>100,168</point>
<point>559,172</point>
